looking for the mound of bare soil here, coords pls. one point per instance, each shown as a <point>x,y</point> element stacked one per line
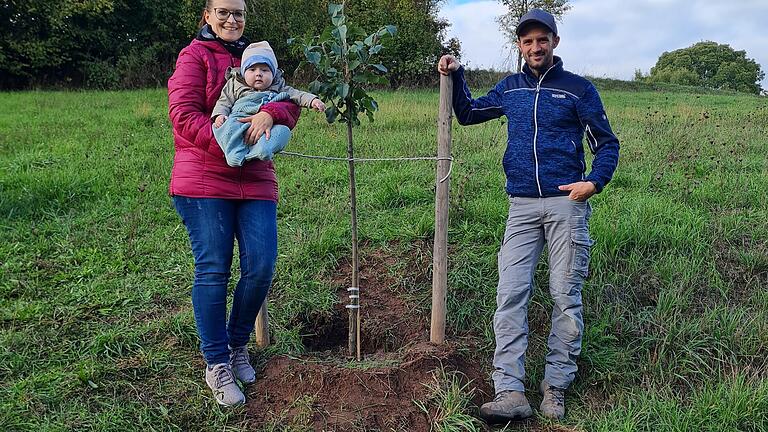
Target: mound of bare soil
<point>326,390</point>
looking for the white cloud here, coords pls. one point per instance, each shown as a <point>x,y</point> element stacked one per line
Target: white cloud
<point>474,24</point>
<point>612,38</point>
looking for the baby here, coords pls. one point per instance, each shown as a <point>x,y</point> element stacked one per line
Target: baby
<point>257,82</point>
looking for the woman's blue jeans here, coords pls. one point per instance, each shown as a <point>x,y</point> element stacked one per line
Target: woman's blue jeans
<point>213,224</point>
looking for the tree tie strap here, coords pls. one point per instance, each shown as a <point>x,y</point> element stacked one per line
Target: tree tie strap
<point>355,160</point>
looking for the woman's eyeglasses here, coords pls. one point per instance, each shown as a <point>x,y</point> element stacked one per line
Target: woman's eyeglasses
<point>224,14</point>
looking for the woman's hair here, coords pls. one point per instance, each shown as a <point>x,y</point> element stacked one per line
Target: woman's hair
<point>202,13</point>
<point>209,6</point>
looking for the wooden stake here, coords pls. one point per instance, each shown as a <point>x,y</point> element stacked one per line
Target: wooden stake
<point>262,326</point>
<point>354,312</point>
<point>440,252</point>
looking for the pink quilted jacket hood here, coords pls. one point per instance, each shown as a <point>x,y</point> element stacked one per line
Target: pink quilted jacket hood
<point>199,168</point>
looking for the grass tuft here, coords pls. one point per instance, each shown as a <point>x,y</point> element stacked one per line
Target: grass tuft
<point>448,402</point>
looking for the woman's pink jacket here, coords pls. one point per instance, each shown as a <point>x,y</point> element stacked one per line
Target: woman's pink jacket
<point>199,168</point>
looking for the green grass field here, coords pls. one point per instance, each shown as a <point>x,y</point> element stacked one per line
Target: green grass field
<point>96,328</point>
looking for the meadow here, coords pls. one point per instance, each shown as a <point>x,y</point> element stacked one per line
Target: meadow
<point>96,325</point>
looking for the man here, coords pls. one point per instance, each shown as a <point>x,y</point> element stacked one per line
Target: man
<point>549,111</point>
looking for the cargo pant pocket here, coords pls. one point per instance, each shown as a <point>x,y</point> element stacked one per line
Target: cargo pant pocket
<point>581,245</point>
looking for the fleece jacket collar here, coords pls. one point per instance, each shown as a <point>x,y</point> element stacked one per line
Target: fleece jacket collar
<point>555,70</point>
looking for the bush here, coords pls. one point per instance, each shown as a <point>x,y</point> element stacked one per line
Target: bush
<point>484,78</point>
<point>148,67</point>
<point>86,43</point>
<point>711,65</point>
<point>674,75</point>
<point>101,74</point>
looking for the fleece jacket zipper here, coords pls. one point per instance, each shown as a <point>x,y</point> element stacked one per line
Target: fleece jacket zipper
<point>536,127</point>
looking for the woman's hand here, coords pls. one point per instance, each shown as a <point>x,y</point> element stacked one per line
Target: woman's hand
<point>261,123</point>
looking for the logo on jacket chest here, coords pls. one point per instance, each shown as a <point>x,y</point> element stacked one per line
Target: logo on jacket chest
<point>558,95</point>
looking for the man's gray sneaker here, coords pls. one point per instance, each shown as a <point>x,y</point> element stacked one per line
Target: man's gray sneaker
<point>505,407</point>
<point>241,365</point>
<point>553,403</point>
<point>221,380</point>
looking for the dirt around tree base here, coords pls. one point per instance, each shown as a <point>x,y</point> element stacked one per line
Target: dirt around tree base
<point>327,390</point>
<point>390,388</point>
<point>378,393</point>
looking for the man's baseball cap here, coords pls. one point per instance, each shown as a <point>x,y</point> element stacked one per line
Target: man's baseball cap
<point>537,16</point>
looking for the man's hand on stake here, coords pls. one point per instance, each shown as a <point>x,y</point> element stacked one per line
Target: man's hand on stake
<point>447,64</point>
<point>580,191</point>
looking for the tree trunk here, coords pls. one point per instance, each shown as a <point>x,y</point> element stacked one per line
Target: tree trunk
<point>354,294</point>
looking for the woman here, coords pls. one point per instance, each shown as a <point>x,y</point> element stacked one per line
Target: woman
<point>218,203</point>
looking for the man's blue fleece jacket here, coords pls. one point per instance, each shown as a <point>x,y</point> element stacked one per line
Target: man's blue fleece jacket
<point>547,119</point>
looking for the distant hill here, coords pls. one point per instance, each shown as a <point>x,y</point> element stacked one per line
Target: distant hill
<point>616,84</point>
<point>484,78</point>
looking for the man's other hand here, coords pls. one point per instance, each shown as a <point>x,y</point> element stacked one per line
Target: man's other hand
<point>580,191</point>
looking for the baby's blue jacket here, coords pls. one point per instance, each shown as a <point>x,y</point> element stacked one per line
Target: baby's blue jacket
<point>231,134</point>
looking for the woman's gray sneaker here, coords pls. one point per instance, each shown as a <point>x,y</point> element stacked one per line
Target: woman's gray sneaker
<point>241,365</point>
<point>553,403</point>
<point>221,380</point>
<point>505,407</point>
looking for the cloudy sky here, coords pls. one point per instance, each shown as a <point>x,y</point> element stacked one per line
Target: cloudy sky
<point>612,38</point>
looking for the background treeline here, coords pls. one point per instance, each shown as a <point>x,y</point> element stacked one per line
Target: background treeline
<point>121,44</point>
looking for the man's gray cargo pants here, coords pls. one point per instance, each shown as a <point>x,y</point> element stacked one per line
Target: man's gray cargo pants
<point>563,224</point>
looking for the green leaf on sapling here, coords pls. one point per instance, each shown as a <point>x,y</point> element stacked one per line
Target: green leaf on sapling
<point>335,9</point>
<point>387,30</point>
<point>370,104</point>
<point>331,113</point>
<point>359,94</point>
<point>313,57</point>
<point>342,90</point>
<point>336,49</point>
<point>363,55</point>
<point>380,67</point>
